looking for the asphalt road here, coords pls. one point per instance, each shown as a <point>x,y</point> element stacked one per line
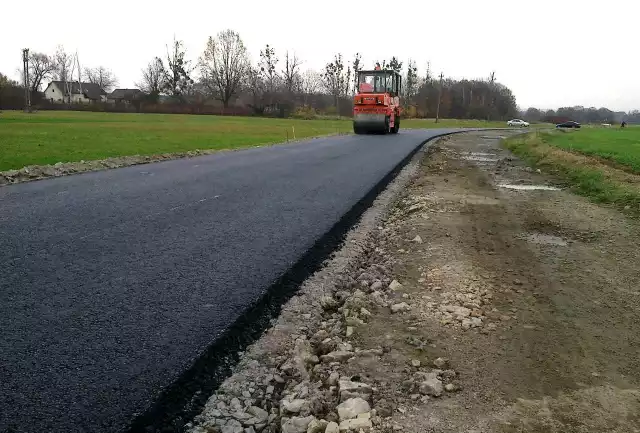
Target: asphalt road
<point>113,282</point>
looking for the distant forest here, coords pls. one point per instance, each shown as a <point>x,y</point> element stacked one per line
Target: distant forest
<point>581,114</point>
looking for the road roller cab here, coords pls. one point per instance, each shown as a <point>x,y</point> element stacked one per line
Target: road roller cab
<point>376,105</point>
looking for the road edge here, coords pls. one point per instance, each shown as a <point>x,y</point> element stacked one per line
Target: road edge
<point>179,403</point>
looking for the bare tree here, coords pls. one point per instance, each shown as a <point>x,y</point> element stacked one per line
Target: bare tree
<point>101,76</point>
<point>310,83</point>
<point>267,65</point>
<point>334,78</point>
<point>152,76</point>
<point>291,73</point>
<point>224,65</point>
<point>410,87</point>
<point>357,67</point>
<point>41,67</point>
<point>177,73</point>
<point>257,87</point>
<point>63,65</point>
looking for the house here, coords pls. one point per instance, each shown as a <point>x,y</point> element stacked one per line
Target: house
<point>124,96</point>
<point>74,92</point>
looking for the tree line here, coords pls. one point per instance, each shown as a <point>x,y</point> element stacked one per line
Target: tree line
<point>580,114</point>
<point>276,82</point>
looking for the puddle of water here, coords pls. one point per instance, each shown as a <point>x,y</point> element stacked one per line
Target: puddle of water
<point>540,238</point>
<point>529,187</point>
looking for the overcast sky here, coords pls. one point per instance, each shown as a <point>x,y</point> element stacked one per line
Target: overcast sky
<point>550,53</point>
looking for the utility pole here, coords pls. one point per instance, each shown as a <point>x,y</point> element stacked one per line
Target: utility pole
<point>439,98</point>
<point>26,82</point>
<point>492,81</point>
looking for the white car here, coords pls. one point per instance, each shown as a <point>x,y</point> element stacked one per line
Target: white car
<point>517,122</point>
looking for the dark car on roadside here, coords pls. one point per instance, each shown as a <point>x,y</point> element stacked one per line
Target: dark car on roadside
<point>568,124</point>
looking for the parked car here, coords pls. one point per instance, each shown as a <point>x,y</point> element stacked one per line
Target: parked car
<point>517,122</point>
<point>568,124</point>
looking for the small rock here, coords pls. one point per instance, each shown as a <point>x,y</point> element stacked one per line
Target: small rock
<point>317,426</point>
<point>400,308</point>
<point>352,407</point>
<point>376,286</point>
<point>365,312</point>
<point>432,386</point>
<point>332,427</point>
<point>415,362</point>
<point>328,303</point>
<point>450,387</point>
<point>448,374</point>
<point>395,285</point>
<point>356,424</point>
<point>337,356</point>
<point>349,389</point>
<point>296,424</point>
<point>333,379</point>
<point>441,362</point>
<point>259,413</point>
<point>349,332</point>
<point>384,408</point>
<point>473,322</point>
<point>295,406</point>
<point>326,346</point>
<point>417,239</point>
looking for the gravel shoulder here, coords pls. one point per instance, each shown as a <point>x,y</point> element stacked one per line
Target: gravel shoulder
<point>464,301</point>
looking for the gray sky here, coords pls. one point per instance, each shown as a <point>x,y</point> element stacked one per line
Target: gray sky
<point>550,53</point>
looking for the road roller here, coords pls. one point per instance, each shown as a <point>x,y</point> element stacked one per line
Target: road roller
<point>376,105</point>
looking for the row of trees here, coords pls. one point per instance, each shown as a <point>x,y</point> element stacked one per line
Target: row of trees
<point>224,72</point>
<point>581,114</point>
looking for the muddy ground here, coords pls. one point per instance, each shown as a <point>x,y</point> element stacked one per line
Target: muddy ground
<point>472,303</point>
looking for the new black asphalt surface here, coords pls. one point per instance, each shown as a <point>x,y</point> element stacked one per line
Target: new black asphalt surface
<point>113,282</point>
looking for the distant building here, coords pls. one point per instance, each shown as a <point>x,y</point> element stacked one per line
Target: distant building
<point>125,96</point>
<point>74,92</point>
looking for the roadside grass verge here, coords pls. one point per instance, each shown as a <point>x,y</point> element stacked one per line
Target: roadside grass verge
<point>618,146</point>
<point>49,137</point>
<point>594,174</point>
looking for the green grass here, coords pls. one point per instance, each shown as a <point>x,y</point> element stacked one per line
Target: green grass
<point>589,162</point>
<point>48,137</point>
<point>619,145</point>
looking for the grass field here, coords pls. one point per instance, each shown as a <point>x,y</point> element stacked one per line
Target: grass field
<point>600,163</point>
<point>619,145</point>
<point>63,136</point>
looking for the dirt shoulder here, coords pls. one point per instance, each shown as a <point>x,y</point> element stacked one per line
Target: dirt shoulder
<point>469,303</point>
